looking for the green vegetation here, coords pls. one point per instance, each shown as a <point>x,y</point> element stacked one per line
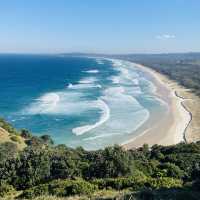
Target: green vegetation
<point>45,171</point>
<point>61,188</point>
<point>6,190</point>
<point>15,138</point>
<point>7,150</point>
<point>8,127</point>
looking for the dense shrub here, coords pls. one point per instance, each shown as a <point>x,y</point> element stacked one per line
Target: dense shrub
<point>63,164</point>
<point>15,138</point>
<point>110,162</point>
<point>121,183</point>
<point>171,170</point>
<point>25,134</point>
<point>61,188</point>
<point>46,139</point>
<point>36,169</point>
<point>137,183</point>
<point>32,168</point>
<point>36,191</point>
<point>163,182</point>
<point>34,141</point>
<point>6,189</point>
<point>7,150</point>
<point>8,127</point>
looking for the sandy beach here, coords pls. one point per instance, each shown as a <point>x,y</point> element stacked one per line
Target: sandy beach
<point>177,125</point>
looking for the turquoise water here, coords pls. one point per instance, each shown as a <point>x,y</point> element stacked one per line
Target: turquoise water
<point>89,102</point>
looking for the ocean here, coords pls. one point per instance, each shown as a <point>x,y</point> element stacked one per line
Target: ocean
<point>78,101</point>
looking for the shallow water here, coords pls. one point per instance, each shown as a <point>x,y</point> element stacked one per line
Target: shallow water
<point>89,102</point>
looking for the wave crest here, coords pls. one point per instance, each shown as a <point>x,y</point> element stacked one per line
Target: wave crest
<point>88,80</point>
<point>104,117</point>
<point>83,86</point>
<point>92,71</point>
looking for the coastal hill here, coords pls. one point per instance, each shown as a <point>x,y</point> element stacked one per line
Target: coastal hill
<point>55,172</point>
<point>9,135</point>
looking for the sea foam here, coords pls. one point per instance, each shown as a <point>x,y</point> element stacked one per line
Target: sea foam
<point>88,80</point>
<point>83,86</point>
<point>120,111</point>
<point>100,104</point>
<point>99,61</point>
<point>92,71</point>
<point>59,103</point>
<point>103,107</point>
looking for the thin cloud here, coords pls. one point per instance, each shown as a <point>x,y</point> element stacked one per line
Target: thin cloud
<point>165,36</point>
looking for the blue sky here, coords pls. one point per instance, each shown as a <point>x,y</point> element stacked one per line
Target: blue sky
<point>101,26</point>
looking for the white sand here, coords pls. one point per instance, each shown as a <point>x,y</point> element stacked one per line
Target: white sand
<point>171,129</point>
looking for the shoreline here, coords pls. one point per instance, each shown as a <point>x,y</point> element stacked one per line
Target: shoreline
<point>190,113</point>
<point>173,127</point>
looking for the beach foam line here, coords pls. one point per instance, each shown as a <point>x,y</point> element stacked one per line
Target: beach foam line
<point>92,71</point>
<point>104,117</point>
<point>115,79</point>
<point>101,136</point>
<point>125,72</point>
<point>187,118</point>
<point>178,130</point>
<point>88,80</point>
<point>83,86</point>
<point>136,137</point>
<point>100,61</point>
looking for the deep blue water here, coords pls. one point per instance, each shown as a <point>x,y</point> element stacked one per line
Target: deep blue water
<point>78,101</point>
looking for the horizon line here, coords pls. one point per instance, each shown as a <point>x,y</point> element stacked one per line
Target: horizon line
<point>90,53</point>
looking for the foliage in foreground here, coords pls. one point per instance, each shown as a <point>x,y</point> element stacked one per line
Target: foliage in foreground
<point>42,169</point>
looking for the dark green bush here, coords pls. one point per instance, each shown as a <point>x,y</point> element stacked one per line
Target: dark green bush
<point>121,183</point>
<point>46,139</point>
<point>35,191</point>
<point>43,169</point>
<point>163,182</point>
<point>7,150</point>
<point>25,134</point>
<point>172,170</point>
<point>71,187</point>
<point>61,188</point>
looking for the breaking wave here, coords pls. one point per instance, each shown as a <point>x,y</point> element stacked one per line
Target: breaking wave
<point>59,103</point>
<point>100,104</point>
<point>83,86</point>
<point>88,80</point>
<point>110,111</point>
<point>92,71</point>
